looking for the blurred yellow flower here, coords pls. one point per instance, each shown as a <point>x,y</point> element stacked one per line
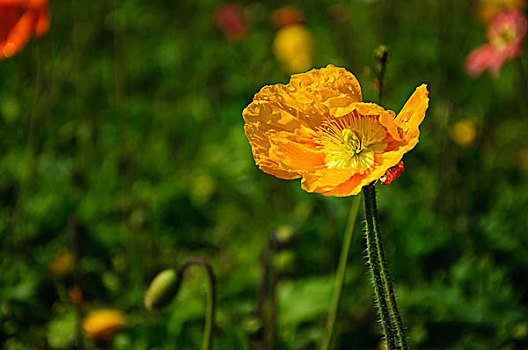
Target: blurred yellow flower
<point>102,324</point>
<point>464,133</point>
<point>61,265</point>
<point>317,128</point>
<point>293,47</point>
<point>487,9</point>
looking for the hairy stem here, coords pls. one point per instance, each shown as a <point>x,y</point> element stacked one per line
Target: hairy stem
<point>385,275</point>
<point>375,268</point>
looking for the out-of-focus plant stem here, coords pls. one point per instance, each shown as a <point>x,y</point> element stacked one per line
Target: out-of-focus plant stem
<point>211,298</point>
<point>32,141</point>
<point>76,244</point>
<point>340,274</point>
<point>523,82</point>
<point>267,298</point>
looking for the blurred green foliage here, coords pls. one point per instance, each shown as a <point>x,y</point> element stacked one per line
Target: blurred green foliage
<point>126,118</point>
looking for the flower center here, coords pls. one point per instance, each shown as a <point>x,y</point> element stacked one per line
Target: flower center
<point>505,38</point>
<point>350,142</point>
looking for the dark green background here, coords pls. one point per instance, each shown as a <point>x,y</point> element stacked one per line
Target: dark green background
<point>126,117</point>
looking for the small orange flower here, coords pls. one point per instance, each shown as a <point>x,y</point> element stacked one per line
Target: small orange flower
<point>286,16</point>
<point>103,324</point>
<point>61,265</point>
<point>317,128</point>
<point>19,19</point>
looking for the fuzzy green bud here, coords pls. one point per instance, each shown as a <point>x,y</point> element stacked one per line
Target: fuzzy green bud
<point>163,288</point>
<point>285,234</point>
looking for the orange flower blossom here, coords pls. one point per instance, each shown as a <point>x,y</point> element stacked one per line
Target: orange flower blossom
<point>19,19</point>
<point>102,324</point>
<point>317,128</point>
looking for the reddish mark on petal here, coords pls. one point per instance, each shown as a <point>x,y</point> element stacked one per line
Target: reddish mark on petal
<point>393,173</point>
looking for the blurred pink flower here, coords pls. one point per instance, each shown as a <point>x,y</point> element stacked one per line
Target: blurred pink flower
<point>505,35</point>
<point>230,20</point>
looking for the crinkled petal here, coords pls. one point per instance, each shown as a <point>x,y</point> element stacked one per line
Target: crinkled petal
<point>386,119</point>
<point>295,151</point>
<point>350,187</point>
<point>324,179</point>
<point>355,183</point>
<point>412,115</point>
<point>333,87</point>
<point>408,121</point>
<point>282,119</point>
<point>280,129</point>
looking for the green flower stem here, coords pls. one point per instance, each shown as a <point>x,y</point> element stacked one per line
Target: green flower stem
<point>375,268</point>
<point>32,148</point>
<point>340,274</point>
<point>523,82</point>
<point>211,298</point>
<point>385,275</point>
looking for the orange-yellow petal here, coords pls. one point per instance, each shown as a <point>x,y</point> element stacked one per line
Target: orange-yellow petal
<point>351,187</point>
<point>282,119</point>
<point>412,115</point>
<point>280,129</point>
<point>334,87</point>
<point>355,183</point>
<point>324,179</point>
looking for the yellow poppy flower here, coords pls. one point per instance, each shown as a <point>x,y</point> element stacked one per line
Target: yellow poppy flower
<point>293,47</point>
<point>464,133</point>
<point>102,324</point>
<point>317,128</point>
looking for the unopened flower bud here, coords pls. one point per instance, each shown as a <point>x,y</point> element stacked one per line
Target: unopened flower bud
<point>285,234</point>
<point>282,238</point>
<point>382,53</point>
<point>163,288</point>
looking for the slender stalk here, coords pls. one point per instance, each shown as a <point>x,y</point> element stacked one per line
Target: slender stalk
<point>375,268</point>
<point>33,137</point>
<point>76,244</point>
<point>523,82</point>
<point>211,298</point>
<point>265,300</point>
<point>340,275</point>
<point>385,275</point>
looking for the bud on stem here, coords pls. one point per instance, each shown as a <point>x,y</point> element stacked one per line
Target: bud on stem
<point>163,288</point>
<point>166,285</point>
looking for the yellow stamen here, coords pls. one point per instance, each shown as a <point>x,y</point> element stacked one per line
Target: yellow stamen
<point>351,142</point>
